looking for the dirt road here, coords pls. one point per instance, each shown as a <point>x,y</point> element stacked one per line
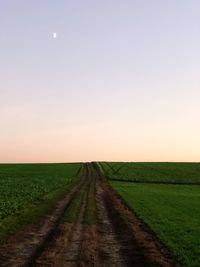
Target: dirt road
<point>92,226</point>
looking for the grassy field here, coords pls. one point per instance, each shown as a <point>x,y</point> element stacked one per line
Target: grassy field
<point>167,197</point>
<point>185,173</point>
<point>27,191</point>
<point>171,211</point>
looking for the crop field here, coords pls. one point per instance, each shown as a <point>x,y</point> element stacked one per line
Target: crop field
<point>172,212</point>
<point>137,214</point>
<point>184,173</point>
<point>166,196</point>
<point>27,190</point>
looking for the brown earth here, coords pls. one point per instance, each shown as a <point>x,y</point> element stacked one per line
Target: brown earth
<point>108,234</point>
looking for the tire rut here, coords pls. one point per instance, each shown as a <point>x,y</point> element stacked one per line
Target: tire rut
<point>72,254</point>
<point>66,247</point>
<point>109,247</point>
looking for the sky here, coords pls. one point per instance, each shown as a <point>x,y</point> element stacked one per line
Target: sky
<point>121,81</point>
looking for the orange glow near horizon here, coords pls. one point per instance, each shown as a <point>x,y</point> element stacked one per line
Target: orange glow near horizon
<point>100,143</point>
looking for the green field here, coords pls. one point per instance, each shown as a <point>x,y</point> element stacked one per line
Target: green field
<point>166,196</point>
<point>185,173</point>
<point>171,211</point>
<point>27,191</point>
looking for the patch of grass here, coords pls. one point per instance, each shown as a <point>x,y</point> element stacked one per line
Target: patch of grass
<point>172,212</point>
<point>28,191</point>
<point>72,212</point>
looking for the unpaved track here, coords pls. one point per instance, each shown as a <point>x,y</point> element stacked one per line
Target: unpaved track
<point>104,234</point>
<point>109,247</point>
<point>73,251</point>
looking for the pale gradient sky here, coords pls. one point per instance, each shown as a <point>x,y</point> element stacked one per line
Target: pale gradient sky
<point>120,82</point>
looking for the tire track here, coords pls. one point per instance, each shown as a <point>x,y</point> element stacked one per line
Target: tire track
<point>109,247</point>
<point>69,245</point>
<point>72,253</point>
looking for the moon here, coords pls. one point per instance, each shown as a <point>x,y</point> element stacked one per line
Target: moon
<point>54,35</point>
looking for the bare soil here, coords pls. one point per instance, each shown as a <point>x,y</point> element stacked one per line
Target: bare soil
<point>115,238</point>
